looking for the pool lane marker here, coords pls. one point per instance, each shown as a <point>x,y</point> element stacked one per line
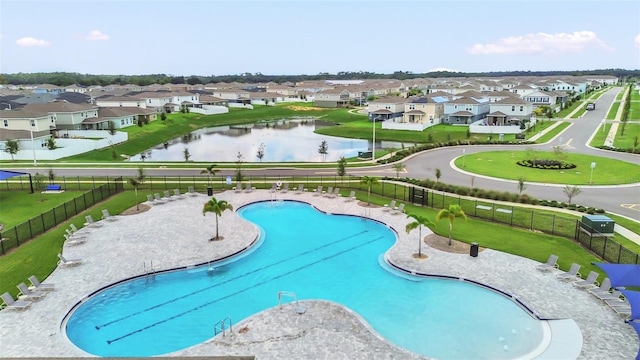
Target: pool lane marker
<point>98,327</point>
<point>242,290</point>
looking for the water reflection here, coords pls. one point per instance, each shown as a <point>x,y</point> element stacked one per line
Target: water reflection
<point>282,141</point>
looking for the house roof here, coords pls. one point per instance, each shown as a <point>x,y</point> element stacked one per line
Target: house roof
<point>462,113</point>
<point>94,120</point>
<point>62,107</point>
<point>390,100</point>
<point>382,112</point>
<point>23,114</point>
<point>464,100</point>
<point>512,100</point>
<point>415,112</point>
<point>498,113</point>
<point>117,111</point>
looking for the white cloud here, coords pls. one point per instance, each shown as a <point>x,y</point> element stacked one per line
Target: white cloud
<point>29,41</point>
<point>96,35</point>
<point>541,43</point>
<point>636,41</point>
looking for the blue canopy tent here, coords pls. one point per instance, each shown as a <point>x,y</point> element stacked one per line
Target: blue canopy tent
<point>621,274</point>
<point>633,297</point>
<point>6,174</point>
<point>636,326</point>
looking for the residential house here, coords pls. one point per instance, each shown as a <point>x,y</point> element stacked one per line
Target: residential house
<point>465,110</point>
<point>498,95</point>
<point>233,95</point>
<point>604,79</point>
<point>120,101</point>
<point>47,88</point>
<point>76,89</point>
<point>387,108</point>
<point>523,89</point>
<point>266,98</point>
<point>67,116</point>
<point>509,111</point>
<point>121,117</point>
<point>333,98</point>
<point>21,124</point>
<point>540,98</point>
<point>418,114</point>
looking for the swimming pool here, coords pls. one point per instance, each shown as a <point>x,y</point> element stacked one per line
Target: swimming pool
<point>317,256</point>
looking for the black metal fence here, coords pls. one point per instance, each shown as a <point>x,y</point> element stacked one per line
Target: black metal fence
<point>21,233</point>
<point>604,247</point>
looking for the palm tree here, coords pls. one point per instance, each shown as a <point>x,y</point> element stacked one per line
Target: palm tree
<point>419,222</point>
<point>210,171</point>
<point>369,181</point>
<point>137,181</point>
<point>452,213</point>
<point>398,167</point>
<point>217,207</point>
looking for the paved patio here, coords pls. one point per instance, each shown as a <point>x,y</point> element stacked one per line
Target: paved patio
<point>175,234</point>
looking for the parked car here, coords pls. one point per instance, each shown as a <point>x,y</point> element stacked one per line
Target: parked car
<point>591,106</point>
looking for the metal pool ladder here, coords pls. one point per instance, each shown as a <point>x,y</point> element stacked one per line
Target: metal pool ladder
<point>299,308</point>
<point>149,273</point>
<point>222,327</point>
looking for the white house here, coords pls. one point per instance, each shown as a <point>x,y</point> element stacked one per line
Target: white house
<point>509,111</point>
<point>332,98</point>
<point>465,110</point>
<point>418,114</point>
<point>388,108</point>
<point>540,98</point>
<point>67,116</point>
<point>121,101</point>
<point>121,117</point>
<point>21,124</point>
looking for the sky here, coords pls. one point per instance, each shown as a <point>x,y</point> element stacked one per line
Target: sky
<point>273,37</point>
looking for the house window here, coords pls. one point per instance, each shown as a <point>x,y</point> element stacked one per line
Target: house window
<point>513,108</point>
<point>122,122</point>
<point>6,122</point>
<point>412,107</point>
<point>468,108</point>
<point>33,123</point>
<point>521,108</point>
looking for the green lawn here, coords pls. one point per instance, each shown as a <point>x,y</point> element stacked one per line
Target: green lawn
<point>635,95</point>
<point>601,135</point>
<point>19,206</point>
<point>631,135</point>
<point>634,110</point>
<point>566,111</point>
<point>551,134</point>
<point>579,113</point>
<point>502,164</point>
<point>613,111</point>
<point>620,95</point>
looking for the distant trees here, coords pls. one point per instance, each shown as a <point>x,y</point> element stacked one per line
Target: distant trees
<point>342,167</point>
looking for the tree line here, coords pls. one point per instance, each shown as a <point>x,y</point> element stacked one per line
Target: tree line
<point>67,78</point>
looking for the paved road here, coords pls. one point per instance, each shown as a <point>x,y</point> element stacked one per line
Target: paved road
<point>423,165</point>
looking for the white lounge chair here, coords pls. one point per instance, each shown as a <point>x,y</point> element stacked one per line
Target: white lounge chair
<point>107,216</point>
<point>64,262</point>
<point>329,192</point>
<point>605,287</point>
<point>192,191</point>
<point>90,222</point>
<point>285,187</point>
<point>28,295</point>
<point>336,193</point>
<point>38,286</point>
<point>10,303</point>
<point>274,188</point>
<point>248,187</point>
<point>167,195</point>
<point>589,282</point>
<point>75,231</point>
<point>300,189</point>
<point>398,210</point>
<point>389,206</point>
<point>238,187</point>
<point>552,263</point>
<point>572,274</point>
<point>620,306</point>
<point>604,296</point>
<point>352,196</point>
<point>177,195</point>
<point>68,240</point>
<point>318,191</point>
<point>157,199</point>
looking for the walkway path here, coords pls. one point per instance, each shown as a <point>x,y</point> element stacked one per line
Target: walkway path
<point>611,135</point>
<point>326,330</point>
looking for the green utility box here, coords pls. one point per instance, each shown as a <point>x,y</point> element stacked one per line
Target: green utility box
<point>597,225</point>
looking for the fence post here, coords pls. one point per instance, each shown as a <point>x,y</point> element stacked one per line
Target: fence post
<point>30,230</point>
<point>44,228</point>
<point>15,228</point>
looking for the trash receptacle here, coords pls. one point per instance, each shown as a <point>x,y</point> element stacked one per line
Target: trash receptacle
<point>209,191</point>
<point>474,249</point>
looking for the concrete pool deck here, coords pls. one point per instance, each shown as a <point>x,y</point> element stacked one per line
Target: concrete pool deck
<point>175,234</point>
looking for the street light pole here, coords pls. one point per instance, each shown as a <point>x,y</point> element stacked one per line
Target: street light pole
<point>593,166</point>
<point>373,143</point>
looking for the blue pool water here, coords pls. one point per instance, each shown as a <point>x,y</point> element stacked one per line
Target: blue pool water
<point>317,256</point>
